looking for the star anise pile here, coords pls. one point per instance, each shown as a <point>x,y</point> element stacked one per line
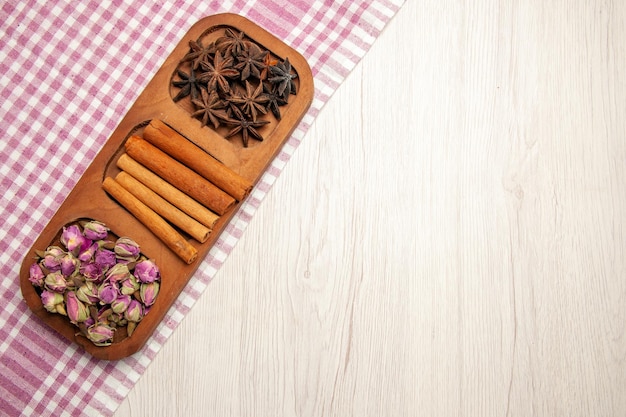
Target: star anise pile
<point>234,82</point>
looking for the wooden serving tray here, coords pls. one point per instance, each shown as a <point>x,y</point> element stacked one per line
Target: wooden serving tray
<point>88,200</point>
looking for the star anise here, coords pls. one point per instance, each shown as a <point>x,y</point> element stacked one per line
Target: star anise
<point>199,53</point>
<point>251,62</point>
<point>232,43</point>
<point>246,127</point>
<point>210,108</point>
<point>268,61</point>
<point>281,75</point>
<point>251,101</point>
<point>189,85</point>
<point>235,82</point>
<point>274,100</point>
<point>217,72</point>
<point>229,105</point>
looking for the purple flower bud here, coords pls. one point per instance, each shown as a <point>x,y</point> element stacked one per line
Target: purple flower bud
<point>94,230</point>
<point>118,273</point>
<point>51,263</point>
<point>127,249</point>
<point>69,264</point>
<point>107,293</point>
<point>147,271</point>
<point>55,251</point>
<point>134,312</point>
<point>55,281</point>
<point>89,322</point>
<point>120,304</point>
<point>72,238</point>
<point>92,272</point>
<point>148,293</point>
<point>129,286</point>
<point>52,258</point>
<point>104,313</point>
<point>50,300</point>
<point>100,334</point>
<point>36,275</point>
<point>87,254</point>
<point>76,310</point>
<point>105,258</point>
<point>85,245</point>
<point>88,293</point>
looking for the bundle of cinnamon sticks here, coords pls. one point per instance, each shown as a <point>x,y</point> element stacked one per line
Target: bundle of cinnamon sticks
<point>167,182</point>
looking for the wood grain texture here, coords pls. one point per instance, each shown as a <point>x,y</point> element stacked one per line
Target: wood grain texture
<point>448,240</point>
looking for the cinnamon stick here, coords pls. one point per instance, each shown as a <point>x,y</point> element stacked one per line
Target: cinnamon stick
<point>177,146</point>
<point>170,193</point>
<point>155,223</point>
<point>179,175</point>
<point>163,207</point>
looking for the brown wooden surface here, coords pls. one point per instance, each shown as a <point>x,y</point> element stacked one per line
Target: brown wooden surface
<point>89,200</point>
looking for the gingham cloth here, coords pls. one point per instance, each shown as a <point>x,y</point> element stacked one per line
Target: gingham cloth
<point>69,72</point>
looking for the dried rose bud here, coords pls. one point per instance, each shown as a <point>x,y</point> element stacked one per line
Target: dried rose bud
<point>85,246</point>
<point>130,328</point>
<point>147,271</point>
<point>118,319</point>
<point>72,238</point>
<point>100,334</point>
<point>77,280</point>
<point>87,254</point>
<point>89,322</point>
<point>127,249</point>
<point>107,293</point>
<point>120,304</point>
<point>118,273</point>
<point>105,258</point>
<point>92,272</point>
<point>134,312</point>
<point>129,286</point>
<point>148,293</point>
<point>55,251</point>
<point>94,230</point>
<point>104,314</point>
<point>76,310</point>
<point>99,284</point>
<point>51,300</point>
<point>55,281</point>
<point>36,275</point>
<point>88,293</point>
<point>52,258</point>
<point>69,265</point>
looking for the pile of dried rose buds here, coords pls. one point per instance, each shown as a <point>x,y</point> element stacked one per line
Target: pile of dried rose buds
<point>100,285</point>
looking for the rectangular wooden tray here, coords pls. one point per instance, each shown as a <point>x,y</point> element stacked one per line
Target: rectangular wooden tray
<point>88,200</point>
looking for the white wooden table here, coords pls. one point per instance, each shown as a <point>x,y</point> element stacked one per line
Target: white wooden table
<point>448,240</point>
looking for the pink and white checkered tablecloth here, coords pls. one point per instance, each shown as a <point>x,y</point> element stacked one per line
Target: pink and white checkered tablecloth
<point>69,72</point>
